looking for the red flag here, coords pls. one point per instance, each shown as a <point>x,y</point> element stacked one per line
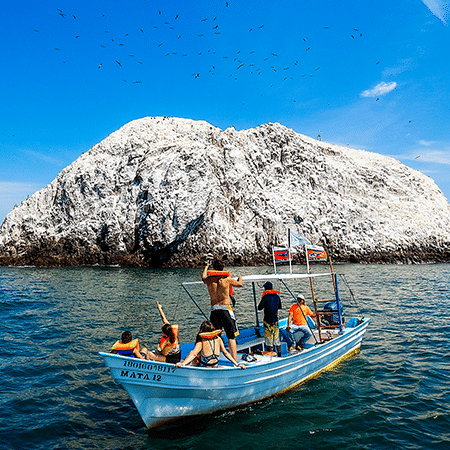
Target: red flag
<point>281,254</point>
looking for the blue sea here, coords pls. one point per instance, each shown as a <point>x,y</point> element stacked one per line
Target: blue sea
<point>56,394</point>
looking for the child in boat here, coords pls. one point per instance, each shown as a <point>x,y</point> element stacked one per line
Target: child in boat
<point>168,349</point>
<point>208,346</point>
<point>128,346</point>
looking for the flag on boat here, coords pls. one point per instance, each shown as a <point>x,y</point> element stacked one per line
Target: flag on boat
<point>297,240</point>
<point>281,254</point>
<point>316,253</point>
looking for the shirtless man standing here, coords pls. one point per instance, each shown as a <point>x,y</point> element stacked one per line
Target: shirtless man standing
<point>219,284</point>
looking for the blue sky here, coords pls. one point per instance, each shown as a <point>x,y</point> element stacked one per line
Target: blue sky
<point>370,75</point>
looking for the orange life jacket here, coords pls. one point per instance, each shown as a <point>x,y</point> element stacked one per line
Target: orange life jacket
<point>209,335</point>
<point>165,341</point>
<point>221,274</point>
<point>271,291</point>
<point>126,349</point>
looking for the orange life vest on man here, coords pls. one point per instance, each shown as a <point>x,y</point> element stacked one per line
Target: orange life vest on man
<point>269,292</point>
<point>221,274</point>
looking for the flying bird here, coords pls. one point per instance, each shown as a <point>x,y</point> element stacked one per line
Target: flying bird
<point>118,63</point>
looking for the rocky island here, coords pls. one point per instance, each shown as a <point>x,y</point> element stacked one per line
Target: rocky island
<point>164,191</point>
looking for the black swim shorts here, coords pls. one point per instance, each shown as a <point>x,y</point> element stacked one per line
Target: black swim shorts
<point>224,318</point>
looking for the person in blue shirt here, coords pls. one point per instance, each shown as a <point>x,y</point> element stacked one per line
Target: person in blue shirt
<point>271,303</point>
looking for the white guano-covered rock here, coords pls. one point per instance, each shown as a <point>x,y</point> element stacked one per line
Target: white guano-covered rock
<point>165,191</point>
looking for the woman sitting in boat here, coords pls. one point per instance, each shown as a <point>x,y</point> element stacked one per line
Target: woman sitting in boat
<point>128,346</point>
<point>168,349</point>
<point>208,346</point>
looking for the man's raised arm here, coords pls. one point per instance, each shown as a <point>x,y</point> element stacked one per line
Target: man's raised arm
<point>205,273</point>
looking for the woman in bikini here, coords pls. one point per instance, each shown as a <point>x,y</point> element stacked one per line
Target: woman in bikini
<point>208,346</point>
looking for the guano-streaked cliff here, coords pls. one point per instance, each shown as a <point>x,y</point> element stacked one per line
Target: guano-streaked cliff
<point>165,191</point>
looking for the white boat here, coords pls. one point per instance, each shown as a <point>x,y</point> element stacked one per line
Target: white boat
<point>162,392</point>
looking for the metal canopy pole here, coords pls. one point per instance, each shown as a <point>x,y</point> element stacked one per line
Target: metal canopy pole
<point>256,307</point>
<point>338,302</point>
<point>195,303</point>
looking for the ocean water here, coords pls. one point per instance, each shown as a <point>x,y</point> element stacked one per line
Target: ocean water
<point>56,394</point>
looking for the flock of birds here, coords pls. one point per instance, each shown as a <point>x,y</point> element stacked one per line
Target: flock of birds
<point>237,64</point>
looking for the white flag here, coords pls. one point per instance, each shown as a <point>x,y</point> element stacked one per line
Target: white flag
<point>297,240</point>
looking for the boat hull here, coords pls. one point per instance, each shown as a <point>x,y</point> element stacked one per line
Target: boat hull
<point>162,392</point>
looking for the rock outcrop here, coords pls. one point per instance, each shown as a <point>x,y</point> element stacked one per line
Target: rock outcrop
<point>165,191</point>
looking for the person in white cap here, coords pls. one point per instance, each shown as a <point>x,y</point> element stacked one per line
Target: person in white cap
<point>297,320</point>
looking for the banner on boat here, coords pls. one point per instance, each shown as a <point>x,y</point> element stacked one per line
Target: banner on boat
<point>297,240</point>
<point>316,253</point>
